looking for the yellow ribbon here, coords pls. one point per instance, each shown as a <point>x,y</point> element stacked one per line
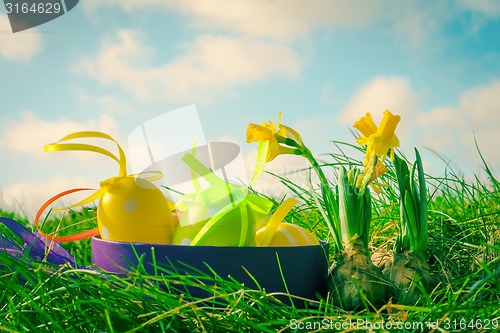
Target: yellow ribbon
<point>121,160</point>
<point>59,146</point>
<point>276,219</point>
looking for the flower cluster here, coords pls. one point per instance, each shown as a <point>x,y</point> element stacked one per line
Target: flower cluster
<point>347,218</point>
<point>381,140</point>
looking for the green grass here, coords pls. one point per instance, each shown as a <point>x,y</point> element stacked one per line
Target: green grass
<point>464,248</point>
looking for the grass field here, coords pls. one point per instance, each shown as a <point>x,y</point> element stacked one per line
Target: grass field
<point>464,248</point>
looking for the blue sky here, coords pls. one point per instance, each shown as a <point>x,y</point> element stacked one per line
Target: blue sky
<point>111,65</point>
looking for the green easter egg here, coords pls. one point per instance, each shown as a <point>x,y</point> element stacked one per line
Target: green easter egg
<point>227,231</point>
<point>184,234</point>
<point>196,213</point>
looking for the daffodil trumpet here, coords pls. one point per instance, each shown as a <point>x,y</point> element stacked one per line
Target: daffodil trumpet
<point>279,139</point>
<point>407,269</point>
<point>130,208</point>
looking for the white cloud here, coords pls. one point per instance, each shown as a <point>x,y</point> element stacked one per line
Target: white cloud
<point>452,128</point>
<point>488,8</point>
<point>382,93</point>
<point>448,130</point>
<point>290,166</point>
<point>278,19</point>
<point>210,64</point>
<point>20,46</point>
<point>438,128</point>
<point>29,134</point>
<point>107,104</point>
<point>27,197</point>
<point>410,22</point>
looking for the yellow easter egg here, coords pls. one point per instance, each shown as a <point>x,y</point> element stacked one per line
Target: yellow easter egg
<point>134,210</point>
<point>289,235</point>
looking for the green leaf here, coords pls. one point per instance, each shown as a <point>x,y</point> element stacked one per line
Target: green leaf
<point>347,207</point>
<point>401,172</point>
<point>423,222</point>
<point>402,243</point>
<point>366,217</point>
<point>415,194</point>
<point>411,224</point>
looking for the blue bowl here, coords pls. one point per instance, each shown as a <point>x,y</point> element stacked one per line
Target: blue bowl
<point>302,270</point>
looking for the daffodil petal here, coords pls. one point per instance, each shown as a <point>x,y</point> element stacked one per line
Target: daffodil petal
<point>291,133</point>
<point>257,133</point>
<point>366,125</point>
<point>363,141</point>
<point>274,149</point>
<point>388,124</point>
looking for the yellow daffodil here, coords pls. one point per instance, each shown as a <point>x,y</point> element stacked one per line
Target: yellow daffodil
<point>259,133</point>
<point>379,140</point>
<point>275,134</point>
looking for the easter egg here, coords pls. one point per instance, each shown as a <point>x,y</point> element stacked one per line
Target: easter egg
<point>227,230</point>
<point>194,214</point>
<point>134,210</point>
<point>220,211</point>
<point>183,235</point>
<point>289,235</point>
<point>190,223</point>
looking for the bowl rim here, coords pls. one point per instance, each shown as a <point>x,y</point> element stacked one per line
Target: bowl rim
<point>98,238</point>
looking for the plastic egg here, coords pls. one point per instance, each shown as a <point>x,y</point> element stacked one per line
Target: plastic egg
<point>134,210</point>
<point>289,235</point>
<point>183,235</point>
<point>227,231</point>
<point>196,213</point>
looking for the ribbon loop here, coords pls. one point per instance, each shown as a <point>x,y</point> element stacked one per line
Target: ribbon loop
<point>62,239</point>
<point>121,160</point>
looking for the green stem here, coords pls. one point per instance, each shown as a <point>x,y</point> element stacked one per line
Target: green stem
<point>329,199</point>
<point>331,203</point>
<point>354,208</point>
